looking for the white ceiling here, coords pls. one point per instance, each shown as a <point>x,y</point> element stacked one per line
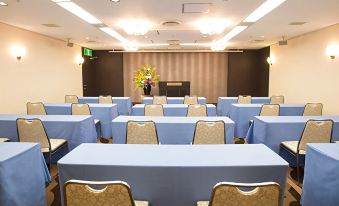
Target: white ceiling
<point>31,14</point>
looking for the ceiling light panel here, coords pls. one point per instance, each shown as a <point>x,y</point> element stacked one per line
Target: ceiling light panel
<point>263,9</point>
<point>114,34</point>
<point>234,32</point>
<point>78,11</point>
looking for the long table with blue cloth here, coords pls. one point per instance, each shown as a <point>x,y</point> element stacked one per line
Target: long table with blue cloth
<point>321,175</point>
<point>124,103</point>
<point>271,131</point>
<point>173,100</point>
<point>224,104</point>
<point>170,130</point>
<point>23,175</point>
<point>103,112</point>
<point>242,114</point>
<point>173,110</point>
<point>75,129</point>
<point>167,175</point>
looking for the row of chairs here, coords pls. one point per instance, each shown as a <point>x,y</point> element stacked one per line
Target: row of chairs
<point>194,110</point>
<point>247,99</point>
<point>310,109</point>
<point>102,99</point>
<point>118,193</point>
<point>163,100</point>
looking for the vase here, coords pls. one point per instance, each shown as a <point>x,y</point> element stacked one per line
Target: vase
<point>147,90</point>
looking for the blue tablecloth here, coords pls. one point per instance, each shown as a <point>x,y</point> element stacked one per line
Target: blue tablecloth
<point>174,100</point>
<point>168,175</point>
<point>124,103</point>
<point>321,175</point>
<point>224,104</point>
<point>103,112</point>
<point>271,131</point>
<point>75,129</point>
<point>171,130</point>
<point>242,114</point>
<point>172,110</point>
<point>23,174</point>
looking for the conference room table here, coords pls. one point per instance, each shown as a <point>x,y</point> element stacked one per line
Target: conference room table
<point>172,110</point>
<point>75,129</point>
<point>167,175</point>
<point>124,103</point>
<point>242,114</point>
<point>170,130</point>
<point>103,112</point>
<point>224,104</point>
<point>271,131</point>
<point>173,100</point>
<point>321,182</point>
<point>23,175</point>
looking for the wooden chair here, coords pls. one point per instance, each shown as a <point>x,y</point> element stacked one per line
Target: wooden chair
<point>209,132</point>
<point>196,110</point>
<point>113,193</point>
<point>237,194</point>
<point>313,109</point>
<point>144,132</point>
<point>154,110</point>
<point>36,108</point>
<point>71,99</point>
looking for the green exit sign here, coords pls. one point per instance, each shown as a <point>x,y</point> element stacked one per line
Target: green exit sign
<point>88,52</point>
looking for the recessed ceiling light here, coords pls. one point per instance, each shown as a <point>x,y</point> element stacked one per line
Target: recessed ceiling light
<point>3,3</point>
<point>115,1</point>
<point>263,9</point>
<point>136,26</point>
<point>212,26</point>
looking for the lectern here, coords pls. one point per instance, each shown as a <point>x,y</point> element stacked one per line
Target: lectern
<point>174,88</point>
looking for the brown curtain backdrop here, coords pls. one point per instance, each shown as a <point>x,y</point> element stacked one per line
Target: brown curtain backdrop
<point>207,72</point>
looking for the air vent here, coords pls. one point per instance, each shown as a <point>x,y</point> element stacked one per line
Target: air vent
<point>196,8</point>
<point>297,23</point>
<point>91,41</point>
<point>171,23</point>
<point>50,25</point>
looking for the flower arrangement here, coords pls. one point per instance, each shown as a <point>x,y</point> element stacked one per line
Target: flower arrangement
<point>145,77</point>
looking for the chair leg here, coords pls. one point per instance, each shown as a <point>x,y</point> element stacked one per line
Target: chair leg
<point>298,170</point>
<point>50,161</point>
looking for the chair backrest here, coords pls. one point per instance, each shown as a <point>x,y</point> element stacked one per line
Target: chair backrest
<point>196,110</point>
<point>80,109</point>
<point>141,133</point>
<point>33,130</point>
<point>190,100</point>
<point>159,100</point>
<point>71,99</point>
<point>261,194</point>
<point>244,99</point>
<point>270,110</point>
<point>113,193</point>
<point>313,109</point>
<point>277,99</point>
<point>105,99</point>
<point>209,132</point>
<point>35,108</point>
<point>154,110</point>
<point>316,131</point>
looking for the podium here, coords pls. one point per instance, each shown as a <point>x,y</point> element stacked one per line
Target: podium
<point>174,88</point>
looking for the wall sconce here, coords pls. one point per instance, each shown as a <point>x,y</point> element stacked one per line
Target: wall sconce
<point>270,60</point>
<point>332,51</point>
<point>79,60</point>
<point>18,52</point>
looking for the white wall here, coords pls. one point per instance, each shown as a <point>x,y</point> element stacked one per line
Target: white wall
<point>46,73</point>
<point>304,73</point>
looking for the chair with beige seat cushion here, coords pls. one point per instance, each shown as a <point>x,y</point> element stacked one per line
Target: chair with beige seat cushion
<point>277,99</point>
<point>154,110</point>
<point>159,100</point>
<point>71,99</point>
<point>35,108</point>
<point>190,100</point>
<point>237,194</point>
<point>84,109</point>
<point>196,110</point>
<point>141,132</point>
<point>105,99</point>
<point>244,99</point>
<point>337,142</point>
<point>4,139</point>
<point>315,131</point>
<point>33,130</point>
<point>270,110</point>
<point>313,109</point>
<point>87,193</point>
<point>209,132</point>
